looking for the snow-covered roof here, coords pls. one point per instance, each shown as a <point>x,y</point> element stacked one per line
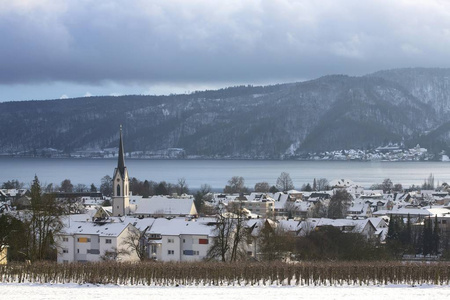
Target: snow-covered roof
<point>290,225</point>
<point>165,206</point>
<point>302,205</point>
<point>293,192</point>
<point>376,222</point>
<point>112,229</point>
<point>280,200</point>
<point>257,224</point>
<point>342,183</point>
<point>175,226</point>
<point>440,211</point>
<point>403,211</point>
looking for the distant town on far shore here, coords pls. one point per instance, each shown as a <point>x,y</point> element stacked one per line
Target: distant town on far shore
<point>389,152</point>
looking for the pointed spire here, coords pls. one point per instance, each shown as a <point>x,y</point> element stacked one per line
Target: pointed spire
<point>121,162</point>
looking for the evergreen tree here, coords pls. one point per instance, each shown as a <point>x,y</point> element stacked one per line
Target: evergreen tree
<point>427,237</point>
<point>337,209</point>
<point>307,188</point>
<point>390,232</point>
<point>436,237</point>
<point>405,235</point>
<point>161,189</point>
<point>42,222</point>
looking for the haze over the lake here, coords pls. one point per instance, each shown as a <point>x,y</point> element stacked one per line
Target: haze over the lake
<point>59,49</point>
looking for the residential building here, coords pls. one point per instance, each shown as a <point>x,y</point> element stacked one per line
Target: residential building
<point>177,239</point>
<point>83,241</point>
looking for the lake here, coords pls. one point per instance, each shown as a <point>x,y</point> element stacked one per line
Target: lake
<point>217,172</point>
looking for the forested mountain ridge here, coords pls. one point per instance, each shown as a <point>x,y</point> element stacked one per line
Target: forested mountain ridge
<point>329,113</point>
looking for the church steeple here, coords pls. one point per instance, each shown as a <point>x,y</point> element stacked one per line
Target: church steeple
<point>121,198</point>
<point>121,161</point>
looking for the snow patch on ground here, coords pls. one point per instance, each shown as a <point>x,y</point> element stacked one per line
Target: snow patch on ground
<point>92,291</point>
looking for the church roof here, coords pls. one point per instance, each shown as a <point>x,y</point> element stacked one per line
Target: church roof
<point>121,161</point>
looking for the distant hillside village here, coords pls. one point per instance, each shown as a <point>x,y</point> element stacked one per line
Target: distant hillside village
<point>328,220</point>
<point>389,152</point>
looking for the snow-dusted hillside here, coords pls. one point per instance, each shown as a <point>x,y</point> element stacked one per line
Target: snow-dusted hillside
<point>330,113</point>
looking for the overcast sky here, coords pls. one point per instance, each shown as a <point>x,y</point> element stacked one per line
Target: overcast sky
<point>54,48</point>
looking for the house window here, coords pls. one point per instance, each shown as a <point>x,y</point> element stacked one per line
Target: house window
<point>444,221</point>
<point>78,250</point>
<point>65,239</point>
<point>184,241</point>
<point>170,240</point>
<point>84,240</point>
<point>65,250</point>
<point>170,252</point>
<point>108,241</point>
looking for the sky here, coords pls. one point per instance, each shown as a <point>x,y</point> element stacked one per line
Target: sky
<point>74,48</point>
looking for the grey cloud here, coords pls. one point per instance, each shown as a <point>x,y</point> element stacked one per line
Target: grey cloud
<point>217,41</point>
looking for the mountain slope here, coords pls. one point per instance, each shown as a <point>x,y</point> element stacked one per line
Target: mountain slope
<point>328,113</point>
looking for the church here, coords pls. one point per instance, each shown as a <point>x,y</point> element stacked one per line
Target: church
<point>121,186</point>
<point>125,204</point>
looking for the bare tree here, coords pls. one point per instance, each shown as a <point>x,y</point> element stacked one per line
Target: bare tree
<point>387,185</point>
<point>114,254</point>
<point>262,187</point>
<point>106,187</point>
<point>229,235</point>
<point>274,242</point>
<point>398,188</point>
<point>291,209</point>
<point>182,187</point>
<point>235,185</point>
<point>137,241</point>
<point>428,183</point>
<point>320,210</point>
<point>80,188</point>
<point>323,184</point>
<point>284,182</point>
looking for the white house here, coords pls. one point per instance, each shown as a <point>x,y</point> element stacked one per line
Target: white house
<point>177,239</point>
<point>83,241</point>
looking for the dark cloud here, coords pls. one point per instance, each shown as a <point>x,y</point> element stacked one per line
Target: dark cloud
<point>204,41</point>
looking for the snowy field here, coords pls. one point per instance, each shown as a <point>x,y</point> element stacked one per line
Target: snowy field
<point>87,291</point>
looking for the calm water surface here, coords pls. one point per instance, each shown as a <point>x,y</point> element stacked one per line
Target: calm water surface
<point>217,172</point>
